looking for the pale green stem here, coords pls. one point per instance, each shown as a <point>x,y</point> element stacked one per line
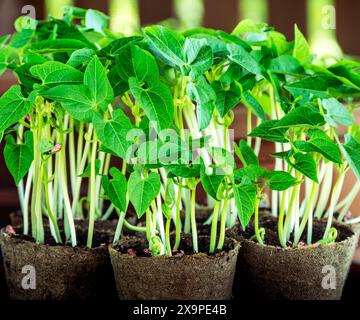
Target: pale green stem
<point>214,224</point>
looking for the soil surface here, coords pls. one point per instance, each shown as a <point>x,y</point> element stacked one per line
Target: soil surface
<point>269,223</point>
<point>138,247</point>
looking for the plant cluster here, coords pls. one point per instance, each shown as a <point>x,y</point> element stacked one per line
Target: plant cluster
<point>163,102</point>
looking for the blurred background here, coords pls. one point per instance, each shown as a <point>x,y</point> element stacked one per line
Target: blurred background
<point>331,26</point>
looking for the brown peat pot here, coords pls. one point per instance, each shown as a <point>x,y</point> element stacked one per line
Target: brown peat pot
<point>308,272</point>
<point>189,276</point>
<point>61,272</point>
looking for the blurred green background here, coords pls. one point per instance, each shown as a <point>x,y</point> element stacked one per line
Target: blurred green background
<point>314,17</point>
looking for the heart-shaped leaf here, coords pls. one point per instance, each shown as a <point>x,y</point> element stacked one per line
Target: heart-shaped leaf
<point>143,190</point>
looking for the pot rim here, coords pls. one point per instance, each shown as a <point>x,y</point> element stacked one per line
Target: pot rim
<point>58,247</point>
<point>312,246</point>
<point>198,255</point>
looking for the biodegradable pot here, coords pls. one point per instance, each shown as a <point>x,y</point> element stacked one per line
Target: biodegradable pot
<point>62,272</point>
<point>185,277</point>
<point>299,273</point>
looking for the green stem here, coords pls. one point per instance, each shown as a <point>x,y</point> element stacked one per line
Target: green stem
<point>289,214</point>
<point>193,221</point>
<point>92,193</point>
<point>256,222</point>
<point>308,210</point>
<point>178,219</point>
<point>148,224</point>
<point>222,225</point>
<point>119,226</point>
<point>214,224</point>
<point>167,236</point>
<point>131,227</point>
<point>281,220</point>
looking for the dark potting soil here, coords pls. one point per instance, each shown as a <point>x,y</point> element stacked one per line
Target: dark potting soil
<point>270,224</point>
<point>103,231</point>
<point>139,246</point>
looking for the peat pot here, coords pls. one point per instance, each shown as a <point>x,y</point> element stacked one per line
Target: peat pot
<point>189,276</point>
<point>308,272</point>
<point>60,272</point>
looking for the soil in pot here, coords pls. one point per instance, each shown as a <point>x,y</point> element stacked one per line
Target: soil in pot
<point>61,272</point>
<point>308,272</point>
<point>183,276</point>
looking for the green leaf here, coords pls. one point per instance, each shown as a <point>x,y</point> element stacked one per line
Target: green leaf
<point>267,131</point>
<point>240,56</point>
<point>75,99</point>
<point>142,191</point>
<point>351,151</point>
<point>156,100</point>
<point>251,172</point>
<point>166,44</point>
<point>312,87</point>
<point>116,188</point>
<point>112,133</point>
<point>96,20</point>
<point>211,182</point>
<point>302,50</point>
<point>254,105</point>
<point>324,145</point>
<point>248,154</point>
<point>132,61</point>
<point>87,171</point>
<point>199,57</point>
<point>202,93</point>
<point>245,198</point>
<point>301,117</point>
<point>56,46</point>
<point>280,180</point>
<point>285,64</point>
<point>96,80</point>
<point>19,157</point>
<point>336,112</point>
<point>183,170</point>
<point>305,164</point>
<point>13,107</point>
<point>80,57</point>
<point>227,97</point>
<point>54,72</point>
